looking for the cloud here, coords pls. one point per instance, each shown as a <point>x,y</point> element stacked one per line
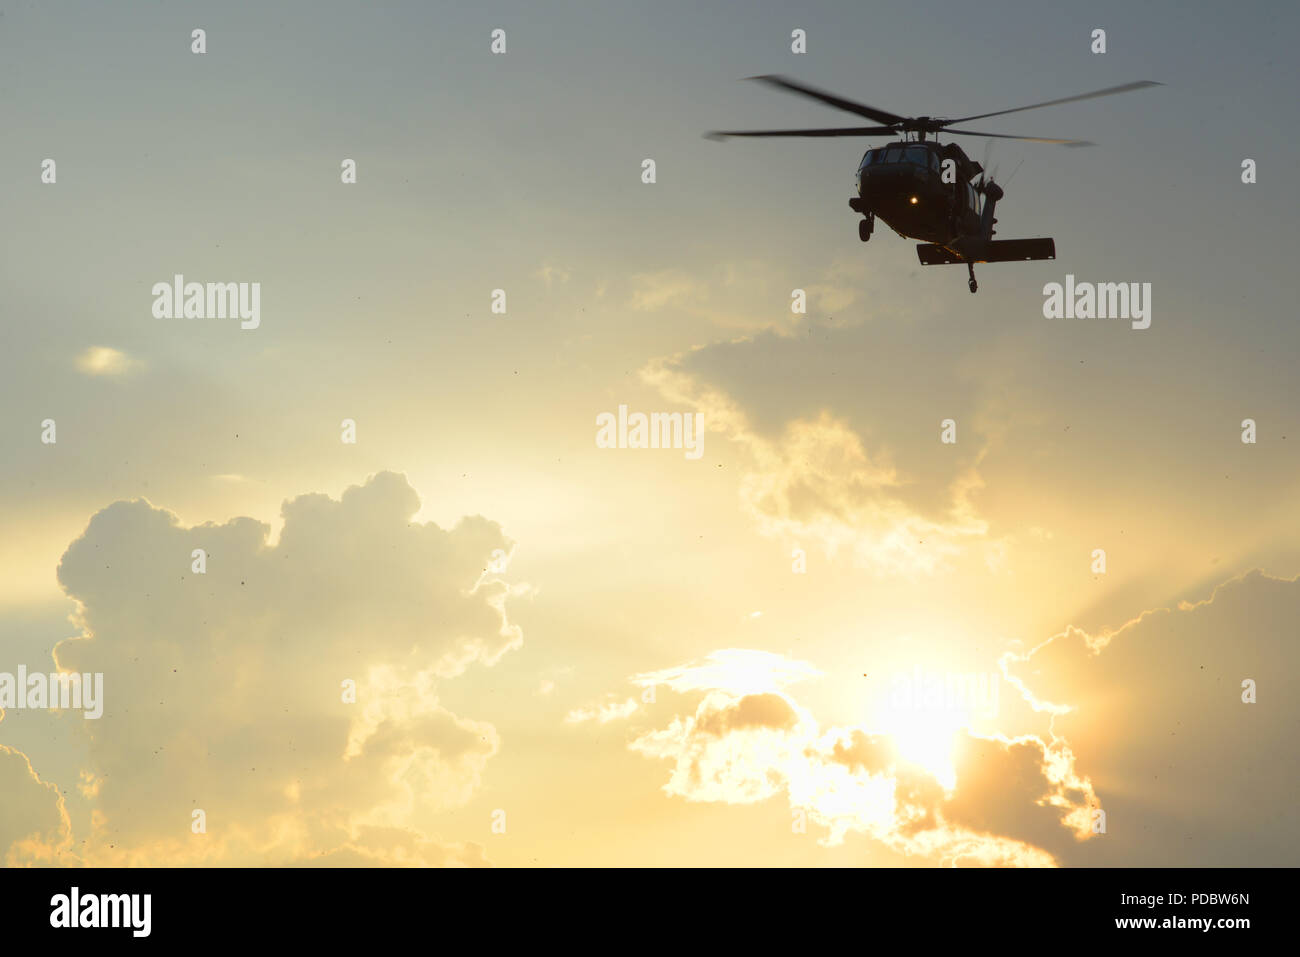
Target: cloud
<point>735,670</point>
<point>610,708</point>
<point>816,480</point>
<point>34,828</point>
<point>666,289</point>
<point>1190,774</point>
<point>730,750</point>
<point>1014,801</point>
<point>105,361</point>
<point>395,847</point>
<point>838,287</point>
<point>1145,724</point>
<point>224,691</point>
<point>750,294</point>
<point>550,274</point>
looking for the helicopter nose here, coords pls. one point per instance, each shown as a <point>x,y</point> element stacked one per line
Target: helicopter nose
<point>879,179</point>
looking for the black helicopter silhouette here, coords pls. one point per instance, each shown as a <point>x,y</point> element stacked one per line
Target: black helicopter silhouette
<point>927,190</point>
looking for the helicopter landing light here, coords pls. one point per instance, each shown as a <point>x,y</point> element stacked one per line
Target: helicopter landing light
<point>913,200</point>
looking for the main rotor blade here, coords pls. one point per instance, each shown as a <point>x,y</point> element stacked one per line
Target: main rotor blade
<point>1127,87</point>
<point>830,99</point>
<point>1032,139</point>
<point>832,131</point>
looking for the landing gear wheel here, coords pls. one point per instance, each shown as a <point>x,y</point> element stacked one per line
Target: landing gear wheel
<point>864,229</point>
<point>974,286</point>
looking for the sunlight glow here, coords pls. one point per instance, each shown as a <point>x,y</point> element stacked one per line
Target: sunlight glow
<point>925,738</point>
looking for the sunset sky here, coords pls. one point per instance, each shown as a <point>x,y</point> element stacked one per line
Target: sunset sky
<point>573,655</point>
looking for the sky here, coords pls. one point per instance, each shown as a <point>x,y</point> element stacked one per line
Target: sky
<point>563,654</point>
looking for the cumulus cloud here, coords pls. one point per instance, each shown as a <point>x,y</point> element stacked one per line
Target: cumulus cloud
<point>226,691</point>
<point>1014,801</point>
<point>34,827</point>
<point>816,480</point>
<point>1152,753</point>
<point>1191,775</point>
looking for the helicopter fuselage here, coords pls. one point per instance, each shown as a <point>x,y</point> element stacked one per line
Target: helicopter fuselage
<point>904,184</point>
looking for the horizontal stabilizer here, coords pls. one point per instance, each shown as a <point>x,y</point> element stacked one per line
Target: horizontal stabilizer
<point>1018,250</point>
<point>932,255</point>
<point>997,251</point>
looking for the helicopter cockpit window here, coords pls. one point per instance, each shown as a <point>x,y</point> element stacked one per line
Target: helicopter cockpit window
<point>917,156</point>
<point>893,155</point>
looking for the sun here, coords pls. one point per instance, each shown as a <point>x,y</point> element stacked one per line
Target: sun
<point>926,738</point>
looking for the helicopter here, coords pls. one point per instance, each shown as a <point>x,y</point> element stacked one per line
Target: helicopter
<point>927,190</point>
